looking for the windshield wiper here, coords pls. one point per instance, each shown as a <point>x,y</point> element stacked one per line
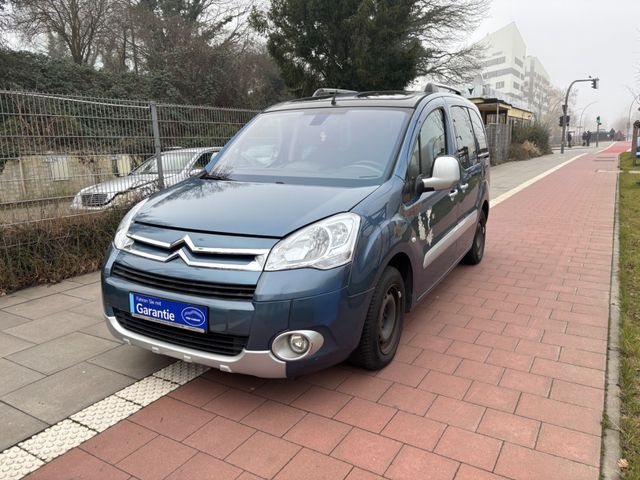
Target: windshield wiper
<point>215,176</point>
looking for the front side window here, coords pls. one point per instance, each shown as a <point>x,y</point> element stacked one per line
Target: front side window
<point>203,160</point>
<point>433,141</point>
<point>430,144</point>
<point>465,138</point>
<point>323,146</point>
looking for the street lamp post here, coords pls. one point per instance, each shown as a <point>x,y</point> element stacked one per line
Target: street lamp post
<point>565,107</point>
<point>581,114</point>
<point>629,120</point>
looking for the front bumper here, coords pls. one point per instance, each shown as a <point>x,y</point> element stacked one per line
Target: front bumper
<point>283,302</point>
<point>251,362</point>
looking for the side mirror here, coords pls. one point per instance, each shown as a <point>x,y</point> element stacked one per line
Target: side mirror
<point>446,173</point>
<point>195,171</point>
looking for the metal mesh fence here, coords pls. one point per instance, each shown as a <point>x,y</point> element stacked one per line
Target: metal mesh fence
<point>62,156</point>
<point>499,139</point>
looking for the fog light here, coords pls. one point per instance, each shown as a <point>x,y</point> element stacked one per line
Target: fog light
<point>298,343</point>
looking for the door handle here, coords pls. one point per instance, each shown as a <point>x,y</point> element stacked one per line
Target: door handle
<point>453,194</point>
<point>464,187</point>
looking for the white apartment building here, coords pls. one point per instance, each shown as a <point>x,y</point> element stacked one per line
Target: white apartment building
<point>509,74</point>
<point>537,85</point>
<point>503,69</point>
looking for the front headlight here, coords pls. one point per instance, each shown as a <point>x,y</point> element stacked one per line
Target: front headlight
<point>121,240</point>
<point>326,244</point>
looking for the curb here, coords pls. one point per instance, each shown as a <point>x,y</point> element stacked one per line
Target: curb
<point>611,450</point>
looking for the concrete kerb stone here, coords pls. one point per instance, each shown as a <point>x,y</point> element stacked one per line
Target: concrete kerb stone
<point>611,450</point>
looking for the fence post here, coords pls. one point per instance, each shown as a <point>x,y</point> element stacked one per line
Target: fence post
<point>23,183</point>
<point>156,143</point>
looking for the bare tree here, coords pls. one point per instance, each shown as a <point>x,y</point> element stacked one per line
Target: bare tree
<point>79,24</point>
<point>117,51</point>
<point>4,21</point>
<point>439,25</point>
<point>186,46</point>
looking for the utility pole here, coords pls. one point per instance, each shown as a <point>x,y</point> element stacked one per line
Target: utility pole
<point>594,84</point>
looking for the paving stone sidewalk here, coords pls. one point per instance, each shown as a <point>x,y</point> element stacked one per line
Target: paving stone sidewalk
<point>500,374</point>
<point>57,357</point>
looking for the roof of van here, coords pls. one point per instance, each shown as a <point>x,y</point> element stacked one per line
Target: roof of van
<point>401,99</point>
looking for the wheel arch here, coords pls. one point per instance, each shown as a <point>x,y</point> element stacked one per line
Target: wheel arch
<point>401,262</point>
<point>485,209</point>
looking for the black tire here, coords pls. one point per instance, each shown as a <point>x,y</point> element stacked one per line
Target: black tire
<point>383,325</point>
<point>475,254</point>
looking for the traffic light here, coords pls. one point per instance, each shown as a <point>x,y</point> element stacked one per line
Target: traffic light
<point>563,120</point>
<point>598,122</point>
<point>595,83</point>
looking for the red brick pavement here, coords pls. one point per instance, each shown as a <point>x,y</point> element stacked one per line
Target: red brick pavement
<point>500,374</point>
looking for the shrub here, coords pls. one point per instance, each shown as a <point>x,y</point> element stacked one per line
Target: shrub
<point>517,152</point>
<point>537,134</point>
<point>531,148</point>
<point>51,251</point>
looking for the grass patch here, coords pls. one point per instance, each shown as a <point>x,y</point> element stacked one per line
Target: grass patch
<point>630,316</point>
<point>51,251</point>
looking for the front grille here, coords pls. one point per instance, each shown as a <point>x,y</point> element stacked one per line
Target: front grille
<point>206,342</point>
<point>94,199</point>
<point>179,285</point>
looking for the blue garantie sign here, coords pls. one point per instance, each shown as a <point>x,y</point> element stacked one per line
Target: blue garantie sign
<point>168,312</point>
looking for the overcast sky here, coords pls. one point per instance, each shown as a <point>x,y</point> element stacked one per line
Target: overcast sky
<point>577,38</point>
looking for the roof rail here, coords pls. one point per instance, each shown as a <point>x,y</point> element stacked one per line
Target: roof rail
<point>321,92</point>
<point>438,87</point>
<point>374,93</point>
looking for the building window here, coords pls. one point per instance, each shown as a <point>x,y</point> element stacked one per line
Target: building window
<point>495,61</point>
<point>516,85</point>
<point>499,85</point>
<point>518,61</point>
<point>502,72</point>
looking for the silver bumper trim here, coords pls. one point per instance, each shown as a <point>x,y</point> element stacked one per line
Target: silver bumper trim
<point>261,363</point>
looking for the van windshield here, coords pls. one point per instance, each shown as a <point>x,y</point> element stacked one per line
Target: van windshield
<point>324,146</point>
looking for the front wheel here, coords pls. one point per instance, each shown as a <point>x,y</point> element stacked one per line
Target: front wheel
<point>383,325</point>
<point>475,254</point>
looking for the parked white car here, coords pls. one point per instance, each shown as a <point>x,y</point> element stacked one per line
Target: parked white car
<point>177,165</point>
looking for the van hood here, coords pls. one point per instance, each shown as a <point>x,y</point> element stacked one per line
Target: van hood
<point>241,208</point>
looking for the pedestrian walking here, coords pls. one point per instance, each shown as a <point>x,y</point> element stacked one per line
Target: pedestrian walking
<point>584,139</point>
<point>569,138</point>
<point>588,137</point>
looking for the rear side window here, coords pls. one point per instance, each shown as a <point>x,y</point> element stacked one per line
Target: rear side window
<point>478,128</point>
<point>465,138</point>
